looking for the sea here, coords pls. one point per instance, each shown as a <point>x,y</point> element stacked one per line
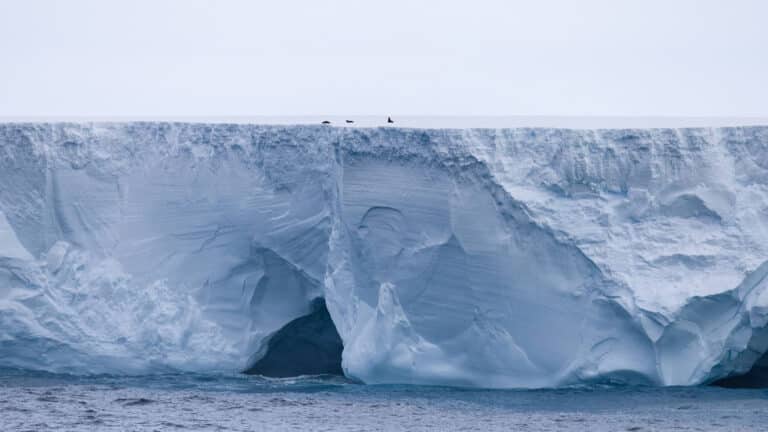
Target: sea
<point>35,401</point>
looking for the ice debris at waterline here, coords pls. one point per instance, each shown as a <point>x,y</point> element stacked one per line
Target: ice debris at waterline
<point>497,258</point>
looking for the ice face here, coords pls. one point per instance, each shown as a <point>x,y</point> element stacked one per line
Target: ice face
<point>496,258</point>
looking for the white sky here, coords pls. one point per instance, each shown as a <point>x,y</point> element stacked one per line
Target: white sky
<point>404,57</point>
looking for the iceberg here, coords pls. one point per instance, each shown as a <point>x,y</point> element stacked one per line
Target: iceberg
<point>506,258</point>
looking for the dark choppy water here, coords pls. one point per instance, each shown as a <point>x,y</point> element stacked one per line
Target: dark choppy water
<point>34,401</point>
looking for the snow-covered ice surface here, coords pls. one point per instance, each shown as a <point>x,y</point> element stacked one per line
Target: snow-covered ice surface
<point>428,122</point>
<point>234,403</point>
<point>517,257</point>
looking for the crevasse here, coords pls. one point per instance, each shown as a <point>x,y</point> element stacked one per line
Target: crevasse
<point>473,257</point>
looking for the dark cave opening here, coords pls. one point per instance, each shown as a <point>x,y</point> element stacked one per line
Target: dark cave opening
<point>757,377</point>
<point>308,345</point>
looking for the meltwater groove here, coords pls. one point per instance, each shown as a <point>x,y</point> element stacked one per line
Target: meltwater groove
<point>470,257</point>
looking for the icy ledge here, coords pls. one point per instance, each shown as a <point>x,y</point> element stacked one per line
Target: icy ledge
<point>477,257</point>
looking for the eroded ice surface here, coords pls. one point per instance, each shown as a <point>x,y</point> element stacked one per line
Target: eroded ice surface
<point>479,257</point>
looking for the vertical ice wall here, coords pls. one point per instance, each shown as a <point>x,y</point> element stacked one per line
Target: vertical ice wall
<point>505,258</point>
<point>157,246</point>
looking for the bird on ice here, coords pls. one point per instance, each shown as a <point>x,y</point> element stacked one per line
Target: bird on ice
<point>389,120</point>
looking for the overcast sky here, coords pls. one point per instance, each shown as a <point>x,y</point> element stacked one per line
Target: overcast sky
<point>405,57</point>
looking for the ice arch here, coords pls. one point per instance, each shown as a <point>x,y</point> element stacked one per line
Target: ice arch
<point>308,345</point>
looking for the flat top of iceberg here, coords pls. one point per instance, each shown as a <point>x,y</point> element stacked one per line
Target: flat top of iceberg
<point>431,122</point>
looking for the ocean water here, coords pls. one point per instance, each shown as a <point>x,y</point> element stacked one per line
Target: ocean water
<point>39,401</point>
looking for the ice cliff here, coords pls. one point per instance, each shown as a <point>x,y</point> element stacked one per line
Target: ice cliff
<point>477,257</point>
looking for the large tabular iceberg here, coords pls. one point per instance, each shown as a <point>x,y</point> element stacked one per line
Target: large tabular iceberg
<point>477,257</point>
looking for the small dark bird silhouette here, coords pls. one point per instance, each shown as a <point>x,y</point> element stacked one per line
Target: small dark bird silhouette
<point>350,121</point>
<point>389,120</point>
<point>326,122</point>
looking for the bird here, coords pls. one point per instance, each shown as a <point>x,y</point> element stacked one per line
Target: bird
<point>349,121</point>
<point>326,122</point>
<point>389,120</point>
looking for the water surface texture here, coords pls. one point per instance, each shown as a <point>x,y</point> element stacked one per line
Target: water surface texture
<point>33,401</point>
